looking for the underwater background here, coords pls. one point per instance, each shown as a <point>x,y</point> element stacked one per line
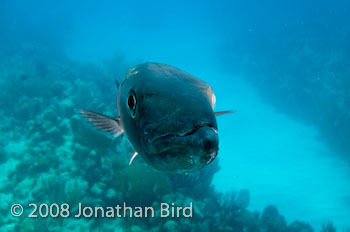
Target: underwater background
<point>283,66</point>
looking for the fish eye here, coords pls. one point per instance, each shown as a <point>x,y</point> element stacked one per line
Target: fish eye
<point>131,102</point>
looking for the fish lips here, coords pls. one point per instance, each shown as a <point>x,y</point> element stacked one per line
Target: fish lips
<point>185,152</point>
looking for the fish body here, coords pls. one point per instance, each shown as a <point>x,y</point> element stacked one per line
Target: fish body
<point>167,116</point>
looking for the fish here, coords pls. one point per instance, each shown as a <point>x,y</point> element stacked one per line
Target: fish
<point>167,116</point>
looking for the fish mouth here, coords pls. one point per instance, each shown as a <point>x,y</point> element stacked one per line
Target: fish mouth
<point>184,152</point>
<point>194,130</point>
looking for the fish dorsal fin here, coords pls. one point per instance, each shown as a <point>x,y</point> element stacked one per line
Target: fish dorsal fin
<point>104,123</point>
<point>223,112</point>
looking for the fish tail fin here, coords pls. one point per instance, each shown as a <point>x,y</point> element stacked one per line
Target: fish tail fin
<point>104,123</point>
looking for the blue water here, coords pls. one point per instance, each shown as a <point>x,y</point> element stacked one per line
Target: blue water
<point>283,162</point>
<point>279,152</point>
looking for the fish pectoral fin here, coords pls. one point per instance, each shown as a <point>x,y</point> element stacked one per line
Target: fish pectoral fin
<point>133,157</point>
<point>223,112</point>
<point>104,123</point>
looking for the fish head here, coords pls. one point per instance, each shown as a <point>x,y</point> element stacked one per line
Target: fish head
<point>168,117</point>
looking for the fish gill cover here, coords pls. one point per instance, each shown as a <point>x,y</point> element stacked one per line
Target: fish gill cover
<point>57,57</point>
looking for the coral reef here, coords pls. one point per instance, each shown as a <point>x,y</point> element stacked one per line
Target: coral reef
<point>140,185</point>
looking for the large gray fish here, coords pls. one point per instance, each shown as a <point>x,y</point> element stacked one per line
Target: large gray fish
<point>167,116</point>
